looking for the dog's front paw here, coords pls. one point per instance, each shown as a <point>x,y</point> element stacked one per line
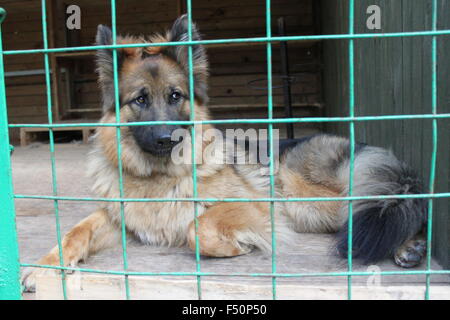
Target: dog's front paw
<point>29,275</point>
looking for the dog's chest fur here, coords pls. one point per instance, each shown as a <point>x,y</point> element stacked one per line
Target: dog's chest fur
<point>167,222</point>
<point>161,223</point>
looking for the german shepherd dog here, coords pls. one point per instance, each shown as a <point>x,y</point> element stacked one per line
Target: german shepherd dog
<point>154,86</point>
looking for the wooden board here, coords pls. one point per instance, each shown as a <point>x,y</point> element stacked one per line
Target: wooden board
<point>308,254</point>
<point>25,133</point>
<point>89,287</point>
<point>232,65</point>
<point>393,76</point>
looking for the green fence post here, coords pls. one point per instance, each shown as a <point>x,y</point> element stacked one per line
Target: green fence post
<point>9,252</point>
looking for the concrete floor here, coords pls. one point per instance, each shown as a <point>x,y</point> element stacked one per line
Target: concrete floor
<point>37,232</point>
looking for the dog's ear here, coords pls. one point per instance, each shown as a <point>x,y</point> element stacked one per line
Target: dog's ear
<point>179,32</point>
<point>105,62</point>
<point>105,66</point>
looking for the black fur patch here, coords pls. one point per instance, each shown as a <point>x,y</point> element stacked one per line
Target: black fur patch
<point>381,227</point>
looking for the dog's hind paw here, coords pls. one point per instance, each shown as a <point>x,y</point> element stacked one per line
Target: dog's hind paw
<point>411,253</point>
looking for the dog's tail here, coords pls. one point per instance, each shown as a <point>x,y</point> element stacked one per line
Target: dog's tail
<point>380,226</point>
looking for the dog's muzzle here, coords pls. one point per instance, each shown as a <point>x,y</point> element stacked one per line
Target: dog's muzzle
<point>156,140</point>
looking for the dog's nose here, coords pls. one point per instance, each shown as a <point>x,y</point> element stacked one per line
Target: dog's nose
<point>165,141</point>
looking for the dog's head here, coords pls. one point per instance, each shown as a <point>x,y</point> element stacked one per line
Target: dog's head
<point>153,86</point>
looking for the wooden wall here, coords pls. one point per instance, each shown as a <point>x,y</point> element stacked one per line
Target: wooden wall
<point>393,76</point>
<point>21,30</point>
<point>231,68</point>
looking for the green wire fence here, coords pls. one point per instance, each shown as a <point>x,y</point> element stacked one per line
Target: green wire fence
<point>9,259</point>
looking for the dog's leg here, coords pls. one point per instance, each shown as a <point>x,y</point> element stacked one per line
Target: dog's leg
<point>412,252</point>
<point>92,234</point>
<point>228,229</point>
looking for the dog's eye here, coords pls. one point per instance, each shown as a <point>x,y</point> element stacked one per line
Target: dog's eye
<point>141,101</point>
<point>174,97</point>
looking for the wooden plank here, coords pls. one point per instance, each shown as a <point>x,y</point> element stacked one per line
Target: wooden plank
<point>442,218</point>
<point>20,101</point>
<point>30,80</point>
<point>26,110</point>
<point>21,90</point>
<point>34,60</point>
<point>77,54</point>
<point>35,118</point>
<point>93,97</point>
<point>393,77</point>
<point>261,100</point>
<point>51,11</point>
<point>86,134</point>
<point>93,8</point>
<point>294,43</point>
<point>223,30</point>
<point>219,3</point>
<point>38,129</point>
<point>242,80</point>
<point>218,83</point>
<point>180,7</point>
<point>260,105</point>
<point>88,287</point>
<point>25,133</point>
<point>228,52</point>
<point>162,8</point>
<point>84,110</point>
<point>23,138</point>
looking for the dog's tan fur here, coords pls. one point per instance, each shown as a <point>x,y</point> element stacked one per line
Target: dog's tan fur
<point>224,229</point>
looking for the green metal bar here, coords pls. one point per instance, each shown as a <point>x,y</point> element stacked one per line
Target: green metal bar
<point>271,151</point>
<point>243,121</point>
<point>241,274</point>
<point>9,251</point>
<point>351,83</point>
<point>307,199</point>
<point>119,148</point>
<point>193,147</point>
<point>434,146</point>
<point>239,40</point>
<point>52,144</point>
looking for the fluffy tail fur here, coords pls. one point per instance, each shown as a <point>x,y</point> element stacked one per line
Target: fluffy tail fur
<point>381,226</point>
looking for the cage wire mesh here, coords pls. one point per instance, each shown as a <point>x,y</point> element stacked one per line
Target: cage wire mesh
<point>10,287</point>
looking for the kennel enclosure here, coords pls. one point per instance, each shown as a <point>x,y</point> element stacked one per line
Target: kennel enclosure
<point>380,87</point>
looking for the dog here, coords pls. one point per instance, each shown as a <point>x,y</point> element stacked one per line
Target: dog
<point>154,86</point>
